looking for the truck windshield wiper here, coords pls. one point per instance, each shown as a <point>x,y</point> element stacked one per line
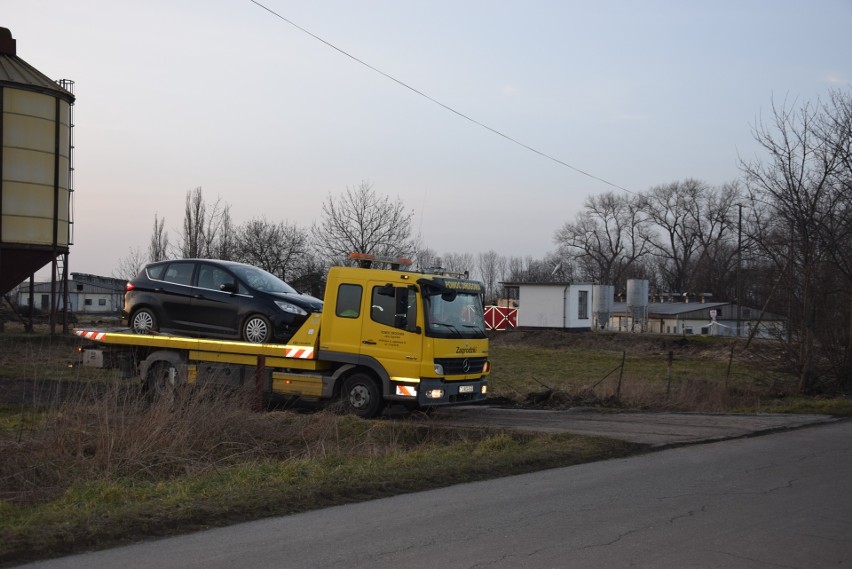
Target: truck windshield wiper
<point>452,328</point>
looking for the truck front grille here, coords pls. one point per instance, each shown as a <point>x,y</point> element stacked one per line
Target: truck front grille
<point>461,366</point>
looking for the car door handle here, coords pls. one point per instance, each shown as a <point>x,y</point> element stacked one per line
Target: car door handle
<point>371,342</point>
<point>197,296</point>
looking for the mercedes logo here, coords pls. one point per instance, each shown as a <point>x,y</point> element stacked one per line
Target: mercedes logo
<point>465,366</point>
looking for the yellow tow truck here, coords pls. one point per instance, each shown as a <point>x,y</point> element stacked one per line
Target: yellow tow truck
<point>384,335</point>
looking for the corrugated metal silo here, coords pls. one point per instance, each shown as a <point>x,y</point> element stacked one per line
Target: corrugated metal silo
<point>637,304</point>
<point>603,297</point>
<point>36,168</point>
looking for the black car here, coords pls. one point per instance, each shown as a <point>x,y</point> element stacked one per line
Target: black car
<point>219,299</point>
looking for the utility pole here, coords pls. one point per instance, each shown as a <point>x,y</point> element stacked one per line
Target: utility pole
<point>739,265</point>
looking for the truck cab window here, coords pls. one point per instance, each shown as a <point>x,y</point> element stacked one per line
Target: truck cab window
<point>394,306</point>
<point>348,301</point>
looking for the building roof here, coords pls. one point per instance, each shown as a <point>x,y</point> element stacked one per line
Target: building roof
<point>697,309</point>
<point>17,72</point>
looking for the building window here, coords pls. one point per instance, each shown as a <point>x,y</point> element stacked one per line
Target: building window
<point>88,302</point>
<point>583,305</point>
<point>101,302</point>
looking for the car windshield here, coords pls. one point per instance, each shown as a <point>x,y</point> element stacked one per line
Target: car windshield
<point>259,279</point>
<point>454,315</point>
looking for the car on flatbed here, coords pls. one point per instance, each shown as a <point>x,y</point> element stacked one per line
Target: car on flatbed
<point>215,299</point>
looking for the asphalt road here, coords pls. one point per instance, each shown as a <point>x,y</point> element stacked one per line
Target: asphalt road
<point>780,500</point>
<point>655,429</point>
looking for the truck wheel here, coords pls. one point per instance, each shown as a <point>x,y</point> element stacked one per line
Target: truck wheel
<point>162,379</point>
<point>362,396</point>
<point>143,321</point>
<point>257,329</point>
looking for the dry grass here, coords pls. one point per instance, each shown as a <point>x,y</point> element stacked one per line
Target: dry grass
<point>555,369</point>
<point>110,463</point>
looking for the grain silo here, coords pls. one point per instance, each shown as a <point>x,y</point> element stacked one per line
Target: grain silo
<point>637,304</point>
<point>36,174</point>
<point>603,298</point>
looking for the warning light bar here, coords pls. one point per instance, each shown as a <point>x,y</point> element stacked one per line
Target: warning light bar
<point>366,260</point>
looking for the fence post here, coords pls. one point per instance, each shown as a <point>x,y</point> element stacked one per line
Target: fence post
<point>669,373</point>
<point>620,375</point>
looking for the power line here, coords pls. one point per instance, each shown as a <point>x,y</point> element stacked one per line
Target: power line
<point>437,102</point>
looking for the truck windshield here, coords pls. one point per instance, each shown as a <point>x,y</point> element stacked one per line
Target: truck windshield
<point>453,315</point>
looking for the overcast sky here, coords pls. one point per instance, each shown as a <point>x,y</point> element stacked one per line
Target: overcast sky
<point>173,95</point>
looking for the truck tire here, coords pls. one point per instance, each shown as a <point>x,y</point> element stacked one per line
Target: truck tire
<point>257,329</point>
<point>163,378</point>
<point>143,321</point>
<point>362,396</point>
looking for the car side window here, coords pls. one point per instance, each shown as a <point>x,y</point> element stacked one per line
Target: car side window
<point>212,278</point>
<point>179,273</point>
<point>348,301</point>
<point>156,272</point>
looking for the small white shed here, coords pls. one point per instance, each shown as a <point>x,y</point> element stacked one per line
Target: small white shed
<point>554,305</point>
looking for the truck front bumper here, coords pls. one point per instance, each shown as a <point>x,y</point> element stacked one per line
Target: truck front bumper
<point>433,392</point>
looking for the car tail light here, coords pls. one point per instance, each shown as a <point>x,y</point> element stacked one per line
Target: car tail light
<point>129,286</point>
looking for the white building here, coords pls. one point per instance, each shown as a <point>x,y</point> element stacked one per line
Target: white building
<point>553,305</point>
<point>699,318</point>
<point>569,306</point>
<point>87,294</point>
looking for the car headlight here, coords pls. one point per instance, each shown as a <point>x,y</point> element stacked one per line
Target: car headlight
<point>291,308</point>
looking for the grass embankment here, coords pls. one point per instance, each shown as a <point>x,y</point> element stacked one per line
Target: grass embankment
<point>634,372</point>
<point>91,473</point>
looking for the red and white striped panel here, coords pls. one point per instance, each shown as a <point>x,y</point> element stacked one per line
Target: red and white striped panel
<point>299,352</point>
<point>90,334</point>
<point>406,390</point>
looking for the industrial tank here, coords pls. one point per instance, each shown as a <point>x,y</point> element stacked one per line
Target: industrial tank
<point>637,304</point>
<point>603,297</point>
<point>35,167</point>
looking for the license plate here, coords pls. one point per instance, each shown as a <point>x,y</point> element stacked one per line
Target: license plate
<point>465,389</point>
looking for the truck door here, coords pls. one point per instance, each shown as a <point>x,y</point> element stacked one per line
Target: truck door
<point>391,332</point>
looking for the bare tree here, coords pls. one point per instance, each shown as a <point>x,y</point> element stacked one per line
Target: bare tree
<point>158,246</point>
<point>797,193</point>
<point>606,239</point>
<point>224,244</point>
<point>674,209</point>
<point>201,225</point>
<point>362,221</point>
<point>716,218</point>
<point>425,258</point>
<point>457,262</point>
<point>491,268</point>
<point>531,270</point>
<point>279,248</point>
<point>129,266</point>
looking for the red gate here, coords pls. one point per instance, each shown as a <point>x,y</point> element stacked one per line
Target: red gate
<point>500,318</point>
